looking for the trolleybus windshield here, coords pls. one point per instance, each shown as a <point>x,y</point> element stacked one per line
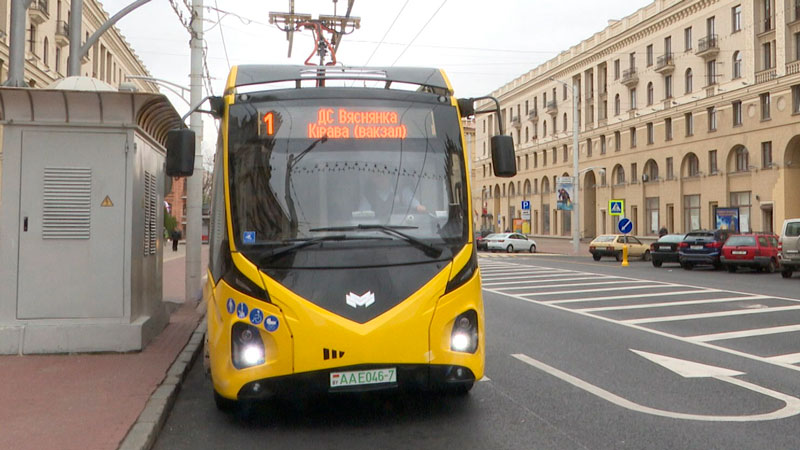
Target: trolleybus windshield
<point>376,174</point>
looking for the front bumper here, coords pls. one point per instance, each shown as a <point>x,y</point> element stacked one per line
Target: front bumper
<point>409,377</point>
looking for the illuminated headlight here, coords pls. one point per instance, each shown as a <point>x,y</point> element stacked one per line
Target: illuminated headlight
<point>247,349</point>
<point>464,337</point>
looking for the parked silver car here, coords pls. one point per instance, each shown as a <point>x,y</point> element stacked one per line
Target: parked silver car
<point>510,242</point>
<point>789,247</point>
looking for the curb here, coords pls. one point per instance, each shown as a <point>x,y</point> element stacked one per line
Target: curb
<point>142,434</point>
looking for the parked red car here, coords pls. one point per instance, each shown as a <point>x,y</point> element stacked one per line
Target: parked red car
<point>756,250</point>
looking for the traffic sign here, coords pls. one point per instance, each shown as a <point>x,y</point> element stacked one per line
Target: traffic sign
<point>526,205</point>
<point>625,225</point>
<point>616,207</point>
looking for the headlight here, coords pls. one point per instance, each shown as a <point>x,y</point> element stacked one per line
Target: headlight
<point>247,348</point>
<point>464,337</point>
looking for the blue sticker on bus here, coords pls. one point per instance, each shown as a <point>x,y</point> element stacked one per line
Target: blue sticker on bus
<point>256,316</point>
<point>249,237</point>
<point>271,323</point>
<point>231,306</point>
<point>241,310</point>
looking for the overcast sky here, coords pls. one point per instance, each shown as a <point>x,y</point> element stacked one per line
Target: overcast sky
<point>480,44</point>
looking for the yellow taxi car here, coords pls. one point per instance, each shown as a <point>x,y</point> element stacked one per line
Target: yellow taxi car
<point>611,245</point>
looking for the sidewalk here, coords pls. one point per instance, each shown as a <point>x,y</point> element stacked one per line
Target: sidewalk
<point>92,401</point>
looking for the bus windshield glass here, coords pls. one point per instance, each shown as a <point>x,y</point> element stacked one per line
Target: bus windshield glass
<point>359,170</point>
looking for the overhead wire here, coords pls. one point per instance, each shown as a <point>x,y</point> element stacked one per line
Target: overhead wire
<point>387,32</point>
<point>222,35</point>
<point>418,33</point>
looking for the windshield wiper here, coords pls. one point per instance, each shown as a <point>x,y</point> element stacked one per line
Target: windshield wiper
<point>278,252</point>
<point>429,249</point>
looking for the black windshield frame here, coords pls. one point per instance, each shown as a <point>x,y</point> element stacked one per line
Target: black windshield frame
<point>451,220</point>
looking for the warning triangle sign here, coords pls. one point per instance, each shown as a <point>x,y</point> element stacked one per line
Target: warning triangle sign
<point>107,202</point>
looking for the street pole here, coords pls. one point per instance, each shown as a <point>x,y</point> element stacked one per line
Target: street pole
<point>16,61</point>
<point>75,28</point>
<point>576,221</point>
<point>194,184</point>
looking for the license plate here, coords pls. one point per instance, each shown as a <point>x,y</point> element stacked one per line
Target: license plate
<point>696,247</point>
<point>363,377</point>
<point>665,247</point>
<point>739,252</point>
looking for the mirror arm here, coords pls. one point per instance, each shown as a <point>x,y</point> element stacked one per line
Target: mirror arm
<point>497,110</point>
<point>196,108</point>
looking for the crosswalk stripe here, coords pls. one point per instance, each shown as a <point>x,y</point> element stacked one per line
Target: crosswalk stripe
<point>744,333</point>
<point>791,358</point>
<point>576,291</point>
<point>738,312</point>
<point>622,297</point>
<point>571,284</point>
<point>666,304</point>
<point>525,277</point>
<point>505,283</point>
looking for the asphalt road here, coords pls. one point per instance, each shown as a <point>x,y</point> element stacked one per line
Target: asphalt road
<point>579,355</point>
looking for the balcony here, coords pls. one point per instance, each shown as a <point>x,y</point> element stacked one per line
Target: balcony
<point>793,67</point>
<point>629,77</point>
<point>552,108</point>
<point>766,75</point>
<point>533,115</point>
<point>665,64</point>
<point>38,11</point>
<point>62,33</point>
<point>515,122</point>
<point>708,47</point>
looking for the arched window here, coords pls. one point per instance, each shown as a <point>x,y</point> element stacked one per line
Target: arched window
<point>617,105</point>
<point>649,93</point>
<point>737,64</point>
<point>692,165</point>
<point>545,185</point>
<point>619,175</point>
<point>742,159</point>
<point>650,171</point>
<point>688,81</point>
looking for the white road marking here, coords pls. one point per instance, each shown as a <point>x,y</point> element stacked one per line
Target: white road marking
<point>576,291</point>
<point>622,297</point>
<point>791,358</point>
<point>537,281</point>
<point>573,284</point>
<point>744,333</point>
<point>667,304</point>
<point>526,277</point>
<point>791,408</point>
<point>736,312</point>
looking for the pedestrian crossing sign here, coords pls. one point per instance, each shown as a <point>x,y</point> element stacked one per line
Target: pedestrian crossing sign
<point>616,207</point>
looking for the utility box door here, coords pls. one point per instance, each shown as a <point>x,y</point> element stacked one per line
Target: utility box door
<point>72,225</point>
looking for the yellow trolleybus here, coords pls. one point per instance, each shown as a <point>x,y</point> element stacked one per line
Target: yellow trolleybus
<point>341,253</point>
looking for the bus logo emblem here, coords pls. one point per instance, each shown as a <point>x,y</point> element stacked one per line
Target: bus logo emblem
<point>360,300</point>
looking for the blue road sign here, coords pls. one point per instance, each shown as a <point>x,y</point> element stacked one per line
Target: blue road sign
<point>526,205</point>
<point>616,207</point>
<point>249,237</point>
<point>625,225</point>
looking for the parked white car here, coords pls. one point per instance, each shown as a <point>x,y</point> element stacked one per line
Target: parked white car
<point>510,242</point>
<point>789,247</point>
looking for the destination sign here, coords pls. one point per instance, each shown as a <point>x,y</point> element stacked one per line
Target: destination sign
<point>343,123</point>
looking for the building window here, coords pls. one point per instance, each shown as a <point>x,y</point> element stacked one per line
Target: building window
<point>633,172</point>
<point>742,159</point>
<point>692,165</point>
<point>670,169</point>
<point>736,18</point>
<point>617,105</point>
<point>650,138</point>
<point>649,93</point>
<point>668,129</point>
<point>649,55</point>
<point>555,155</point>
<point>766,154</point>
<point>633,98</point>
<point>768,19</point>
<point>711,72</point>
<point>766,50</point>
<point>602,144</point>
<point>58,59</point>
<point>589,148</point>
<point>689,119</point>
<point>796,99</point>
<point>633,137</point>
<point>619,175</point>
<point>737,113</point>
<point>712,162</point>
<point>741,200</point>
<point>712,118</point>
<point>691,212</point>
<point>617,143</point>
<point>688,83</point>
<point>668,86</point>
<point>544,128</point>
<point>544,158</point>
<point>527,162</point>
<point>535,160</point>
<point>616,69</point>
<point>564,96</point>
<point>46,52</point>
<point>32,41</point>
<point>565,153</point>
<point>651,212</point>
<point>564,123</point>
<point>765,106</point>
<point>687,38</point>
<point>737,64</point>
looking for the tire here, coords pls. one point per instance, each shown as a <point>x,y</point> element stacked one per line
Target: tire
<point>646,256</point>
<point>717,266</point>
<point>786,273</point>
<point>656,263</point>
<point>532,249</point>
<point>595,257</point>
<point>510,249</point>
<point>687,266</point>
<point>731,268</point>
<point>770,267</point>
<point>458,390</point>
<point>618,256</point>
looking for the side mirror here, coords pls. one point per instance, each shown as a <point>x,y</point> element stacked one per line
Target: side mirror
<point>180,152</point>
<point>503,158</point>
<point>466,106</point>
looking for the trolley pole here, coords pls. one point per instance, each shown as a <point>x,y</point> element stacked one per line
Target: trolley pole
<point>194,184</point>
